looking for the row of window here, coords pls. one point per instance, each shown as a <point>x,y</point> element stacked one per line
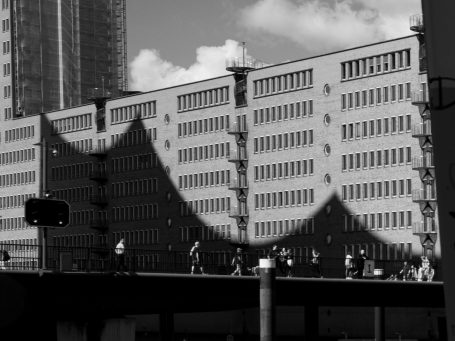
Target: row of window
<point>376,190</point>
<point>13,201</point>
<point>134,213</point>
<point>138,237</point>
<point>134,187</point>
<point>16,223</point>
<point>201,153</point>
<point>19,244</point>
<point>193,233</point>
<point>283,170</point>
<point>382,251</point>
<point>271,143</point>
<point>73,123</point>
<point>203,126</point>
<point>23,155</point>
<point>378,158</point>
<point>133,138</point>
<point>285,227</point>
<point>73,171</point>
<point>283,83</point>
<point>283,112</point>
<point>134,162</point>
<point>376,65</point>
<point>15,179</point>
<point>205,179</point>
<point>381,95</point>
<point>133,112</point>
<point>72,148</point>
<point>373,221</point>
<point>74,194</point>
<point>378,127</point>
<point>203,99</point>
<point>18,134</point>
<point>290,198</point>
<point>205,206</point>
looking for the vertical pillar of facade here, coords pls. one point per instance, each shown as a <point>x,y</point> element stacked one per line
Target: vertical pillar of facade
<point>71,331</point>
<point>166,326</point>
<point>379,323</point>
<point>119,329</point>
<point>311,322</point>
<point>267,273</point>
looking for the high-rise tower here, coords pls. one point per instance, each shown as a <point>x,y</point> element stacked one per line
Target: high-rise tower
<point>55,51</point>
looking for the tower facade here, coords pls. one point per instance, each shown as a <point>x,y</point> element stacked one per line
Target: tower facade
<point>60,50</point>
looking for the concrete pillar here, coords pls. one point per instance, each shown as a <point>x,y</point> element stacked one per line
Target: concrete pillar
<point>379,323</point>
<point>311,322</point>
<point>167,326</point>
<point>119,329</point>
<point>71,331</point>
<point>267,273</point>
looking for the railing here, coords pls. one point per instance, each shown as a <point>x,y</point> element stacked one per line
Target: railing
<point>421,227</point>
<point>423,195</point>
<point>416,22</point>
<point>104,259</point>
<point>247,62</point>
<point>421,129</point>
<point>422,162</point>
<point>419,97</point>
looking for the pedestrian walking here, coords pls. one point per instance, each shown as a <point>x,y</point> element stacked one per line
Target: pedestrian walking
<point>316,263</point>
<point>120,252</point>
<point>290,263</point>
<point>360,264</point>
<point>5,257</point>
<point>348,264</point>
<point>196,259</point>
<point>237,263</point>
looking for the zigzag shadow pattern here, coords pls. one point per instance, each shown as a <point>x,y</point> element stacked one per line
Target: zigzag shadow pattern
<point>328,237</point>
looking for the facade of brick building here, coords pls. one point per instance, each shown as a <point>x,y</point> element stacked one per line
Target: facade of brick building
<point>313,153</point>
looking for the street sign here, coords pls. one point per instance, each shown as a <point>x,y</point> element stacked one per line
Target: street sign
<point>368,270</point>
<point>47,212</point>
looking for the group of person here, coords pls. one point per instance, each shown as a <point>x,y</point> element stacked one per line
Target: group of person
<point>423,272</point>
<point>354,268</point>
<point>284,259</point>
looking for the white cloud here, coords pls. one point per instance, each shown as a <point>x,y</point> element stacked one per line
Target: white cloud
<point>149,71</point>
<point>326,25</point>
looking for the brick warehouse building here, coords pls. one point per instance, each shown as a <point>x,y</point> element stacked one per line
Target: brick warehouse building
<point>330,152</point>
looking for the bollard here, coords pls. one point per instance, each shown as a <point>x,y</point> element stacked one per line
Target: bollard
<point>379,323</point>
<point>267,273</point>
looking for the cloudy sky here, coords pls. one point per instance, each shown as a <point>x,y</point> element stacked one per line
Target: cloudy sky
<point>178,41</point>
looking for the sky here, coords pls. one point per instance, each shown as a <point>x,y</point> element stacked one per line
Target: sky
<point>174,42</point>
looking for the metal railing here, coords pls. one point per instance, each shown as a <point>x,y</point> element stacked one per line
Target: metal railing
<point>104,259</point>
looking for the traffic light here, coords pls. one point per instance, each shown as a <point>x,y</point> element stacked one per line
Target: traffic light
<point>47,212</point>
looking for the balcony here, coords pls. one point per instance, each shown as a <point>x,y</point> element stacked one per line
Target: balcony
<point>422,162</point>
<point>420,97</point>
<point>242,65</point>
<point>422,195</point>
<point>236,184</point>
<point>237,128</point>
<point>422,227</point>
<point>99,200</point>
<point>238,212</point>
<point>98,151</point>
<point>237,156</point>
<point>416,23</point>
<point>98,175</point>
<point>99,224</point>
<point>422,129</point>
